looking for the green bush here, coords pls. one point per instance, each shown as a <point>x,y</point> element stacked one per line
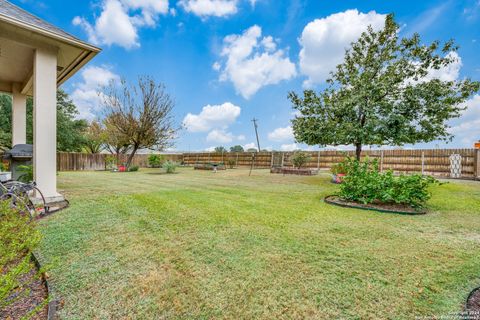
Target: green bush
<point>27,173</point>
<point>155,160</point>
<point>169,166</point>
<point>133,168</point>
<point>2,167</point>
<point>18,238</point>
<point>366,184</point>
<point>338,168</point>
<point>299,159</point>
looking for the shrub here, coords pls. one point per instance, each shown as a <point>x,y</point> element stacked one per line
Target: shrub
<point>110,162</point>
<point>133,168</point>
<point>366,184</point>
<point>231,163</point>
<point>170,166</point>
<point>27,173</point>
<point>338,168</point>
<point>299,159</point>
<point>155,160</point>
<point>18,239</point>
<point>2,167</point>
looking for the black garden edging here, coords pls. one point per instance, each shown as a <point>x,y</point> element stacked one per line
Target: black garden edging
<point>52,304</point>
<point>468,306</point>
<point>363,207</point>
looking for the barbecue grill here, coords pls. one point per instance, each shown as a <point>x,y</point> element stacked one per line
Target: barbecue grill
<point>19,155</point>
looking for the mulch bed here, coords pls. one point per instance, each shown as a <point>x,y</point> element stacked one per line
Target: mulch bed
<point>295,171</point>
<point>32,298</point>
<point>381,207</point>
<point>473,304</point>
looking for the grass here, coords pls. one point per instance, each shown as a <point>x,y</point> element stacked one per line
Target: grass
<point>198,245</point>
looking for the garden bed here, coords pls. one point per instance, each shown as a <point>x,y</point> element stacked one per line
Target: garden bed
<point>472,307</point>
<point>295,171</point>
<point>209,166</point>
<point>32,298</point>
<point>380,207</point>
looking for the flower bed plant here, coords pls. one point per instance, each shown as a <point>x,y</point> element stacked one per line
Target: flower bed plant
<point>365,184</point>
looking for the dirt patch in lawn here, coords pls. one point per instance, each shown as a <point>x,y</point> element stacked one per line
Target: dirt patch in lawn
<point>31,298</point>
<point>381,207</point>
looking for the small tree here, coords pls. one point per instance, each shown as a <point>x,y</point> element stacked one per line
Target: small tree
<point>382,94</point>
<point>117,142</point>
<point>237,148</point>
<point>94,137</point>
<point>141,114</point>
<point>299,159</point>
<point>220,149</point>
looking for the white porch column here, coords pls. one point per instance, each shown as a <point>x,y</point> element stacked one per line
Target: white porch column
<point>45,122</point>
<point>19,116</point>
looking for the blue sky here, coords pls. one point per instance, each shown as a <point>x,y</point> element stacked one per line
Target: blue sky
<point>228,61</point>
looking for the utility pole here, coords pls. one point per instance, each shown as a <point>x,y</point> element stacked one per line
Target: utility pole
<point>256,132</point>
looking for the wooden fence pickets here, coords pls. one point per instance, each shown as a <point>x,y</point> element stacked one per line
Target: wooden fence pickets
<point>435,161</point>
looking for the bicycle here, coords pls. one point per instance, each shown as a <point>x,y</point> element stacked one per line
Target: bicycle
<point>20,196</point>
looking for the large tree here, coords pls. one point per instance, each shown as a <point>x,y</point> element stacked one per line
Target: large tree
<point>384,93</point>
<point>95,137</point>
<point>143,113</point>
<point>69,129</point>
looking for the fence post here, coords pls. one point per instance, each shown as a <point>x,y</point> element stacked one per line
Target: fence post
<point>423,163</point>
<point>381,161</point>
<point>477,164</point>
<point>236,161</point>
<point>283,158</point>
<point>318,161</point>
<point>271,159</point>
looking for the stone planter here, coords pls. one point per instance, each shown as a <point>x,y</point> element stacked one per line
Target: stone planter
<point>5,176</point>
<point>295,171</point>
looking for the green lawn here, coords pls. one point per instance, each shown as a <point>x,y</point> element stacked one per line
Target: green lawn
<point>199,245</point>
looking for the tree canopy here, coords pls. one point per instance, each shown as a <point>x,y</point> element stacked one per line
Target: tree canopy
<point>69,129</point>
<point>220,149</point>
<point>384,93</point>
<point>237,148</point>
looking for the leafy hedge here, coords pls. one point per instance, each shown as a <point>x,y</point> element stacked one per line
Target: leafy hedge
<point>366,184</point>
<point>18,238</point>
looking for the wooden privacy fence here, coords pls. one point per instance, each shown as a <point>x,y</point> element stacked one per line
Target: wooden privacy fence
<point>429,161</point>
<point>88,162</point>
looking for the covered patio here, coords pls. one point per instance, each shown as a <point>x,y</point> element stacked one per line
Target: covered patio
<point>35,58</point>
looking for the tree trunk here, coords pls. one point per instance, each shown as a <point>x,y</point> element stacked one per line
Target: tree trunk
<point>130,157</point>
<point>358,151</point>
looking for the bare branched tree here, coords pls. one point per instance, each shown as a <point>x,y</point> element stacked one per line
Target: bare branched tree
<point>141,114</point>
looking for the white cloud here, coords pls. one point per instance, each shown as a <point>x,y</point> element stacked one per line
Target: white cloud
<point>252,62</point>
<point>216,116</point>
<point>289,147</point>
<point>449,73</point>
<point>206,8</point>
<point>467,128</point>
<point>220,136</point>
<point>250,145</point>
<point>210,149</point>
<point>216,66</point>
<point>119,21</point>
<point>241,137</point>
<point>324,41</point>
<point>281,134</point>
<point>86,96</point>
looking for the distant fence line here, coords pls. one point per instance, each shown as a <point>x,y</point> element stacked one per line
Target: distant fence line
<point>428,161</point>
